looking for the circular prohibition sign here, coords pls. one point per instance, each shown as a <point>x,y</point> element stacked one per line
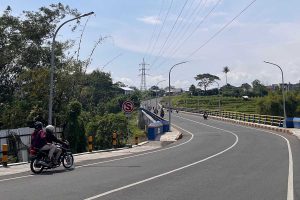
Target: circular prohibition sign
<point>127,106</point>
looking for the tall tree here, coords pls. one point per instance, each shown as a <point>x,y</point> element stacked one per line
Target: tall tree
<point>205,80</point>
<point>226,70</point>
<point>259,89</point>
<point>192,90</point>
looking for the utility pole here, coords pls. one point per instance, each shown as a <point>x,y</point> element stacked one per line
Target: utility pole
<point>283,91</point>
<point>52,61</point>
<point>143,74</point>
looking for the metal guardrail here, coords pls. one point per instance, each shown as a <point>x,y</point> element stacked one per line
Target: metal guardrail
<point>254,118</point>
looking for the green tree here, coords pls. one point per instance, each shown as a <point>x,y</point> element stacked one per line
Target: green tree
<point>193,90</point>
<point>102,127</point>
<point>259,89</point>
<point>24,43</point>
<point>74,131</point>
<point>205,80</point>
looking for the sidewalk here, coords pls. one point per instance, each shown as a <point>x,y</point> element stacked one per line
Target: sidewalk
<point>141,147</point>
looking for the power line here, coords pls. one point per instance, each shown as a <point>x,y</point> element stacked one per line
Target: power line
<point>168,36</point>
<point>163,25</point>
<point>196,28</point>
<point>111,60</point>
<point>219,31</point>
<point>222,29</point>
<point>187,26</point>
<point>154,30</point>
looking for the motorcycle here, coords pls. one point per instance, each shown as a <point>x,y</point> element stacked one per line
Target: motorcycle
<point>39,159</point>
<point>205,116</point>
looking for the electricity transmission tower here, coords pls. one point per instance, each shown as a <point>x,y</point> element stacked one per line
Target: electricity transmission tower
<point>143,74</point>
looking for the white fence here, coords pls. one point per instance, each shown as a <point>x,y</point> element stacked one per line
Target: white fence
<point>25,137</point>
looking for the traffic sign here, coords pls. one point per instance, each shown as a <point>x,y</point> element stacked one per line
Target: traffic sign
<point>128,106</point>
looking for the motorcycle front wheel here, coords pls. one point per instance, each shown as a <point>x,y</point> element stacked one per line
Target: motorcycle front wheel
<point>67,160</point>
<point>35,166</point>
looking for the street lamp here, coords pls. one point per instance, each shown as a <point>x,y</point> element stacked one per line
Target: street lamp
<point>156,92</point>
<point>283,96</point>
<point>219,97</point>
<point>170,91</point>
<point>53,64</point>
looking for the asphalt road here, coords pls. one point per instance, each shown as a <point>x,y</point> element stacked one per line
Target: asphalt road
<point>214,160</point>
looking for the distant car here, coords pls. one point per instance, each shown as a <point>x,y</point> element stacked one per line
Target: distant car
<point>245,98</point>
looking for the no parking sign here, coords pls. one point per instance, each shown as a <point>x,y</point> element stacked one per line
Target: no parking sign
<point>127,106</point>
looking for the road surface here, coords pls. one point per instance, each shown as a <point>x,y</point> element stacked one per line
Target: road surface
<point>214,160</point>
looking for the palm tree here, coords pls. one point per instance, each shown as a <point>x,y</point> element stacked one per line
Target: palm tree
<point>226,70</point>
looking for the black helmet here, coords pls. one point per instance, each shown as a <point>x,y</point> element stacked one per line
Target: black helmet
<point>38,125</point>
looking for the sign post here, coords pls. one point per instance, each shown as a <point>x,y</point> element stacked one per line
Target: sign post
<point>128,107</point>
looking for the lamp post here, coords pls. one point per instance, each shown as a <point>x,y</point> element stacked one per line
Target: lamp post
<point>283,96</point>
<point>53,64</point>
<point>170,90</point>
<point>219,97</point>
<point>156,92</point>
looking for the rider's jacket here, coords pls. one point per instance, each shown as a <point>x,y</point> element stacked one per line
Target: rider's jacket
<point>51,138</point>
<point>38,139</point>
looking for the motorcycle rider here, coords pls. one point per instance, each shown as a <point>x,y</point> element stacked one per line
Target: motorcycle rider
<point>205,115</point>
<point>38,140</point>
<point>51,138</point>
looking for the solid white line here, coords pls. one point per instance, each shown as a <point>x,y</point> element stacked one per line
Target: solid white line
<point>19,177</point>
<point>107,161</point>
<point>169,172</point>
<point>290,187</point>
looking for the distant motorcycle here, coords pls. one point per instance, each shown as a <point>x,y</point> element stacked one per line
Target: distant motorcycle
<point>205,116</point>
<point>39,159</point>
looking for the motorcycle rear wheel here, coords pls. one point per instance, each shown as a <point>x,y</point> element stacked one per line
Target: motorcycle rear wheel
<point>35,167</point>
<point>67,160</point>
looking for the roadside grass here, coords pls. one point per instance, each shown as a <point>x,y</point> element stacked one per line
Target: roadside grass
<point>235,104</point>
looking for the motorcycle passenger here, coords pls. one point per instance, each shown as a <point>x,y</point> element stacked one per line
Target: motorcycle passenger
<point>38,140</point>
<point>51,138</point>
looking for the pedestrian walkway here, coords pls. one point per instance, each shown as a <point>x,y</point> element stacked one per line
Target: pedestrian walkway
<point>142,147</point>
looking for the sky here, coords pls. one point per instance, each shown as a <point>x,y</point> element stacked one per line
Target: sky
<point>166,32</point>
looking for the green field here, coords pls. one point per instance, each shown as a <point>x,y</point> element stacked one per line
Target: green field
<point>234,104</point>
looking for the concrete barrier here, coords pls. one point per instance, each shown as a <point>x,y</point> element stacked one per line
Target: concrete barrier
<point>154,129</point>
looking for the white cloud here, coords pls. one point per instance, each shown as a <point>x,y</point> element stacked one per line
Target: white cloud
<point>243,47</point>
<point>125,80</point>
<point>150,20</point>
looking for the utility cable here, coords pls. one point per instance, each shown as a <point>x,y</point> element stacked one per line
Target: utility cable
<point>196,28</point>
<point>187,26</point>
<point>154,30</point>
<point>168,36</point>
<point>163,25</point>
<point>222,29</point>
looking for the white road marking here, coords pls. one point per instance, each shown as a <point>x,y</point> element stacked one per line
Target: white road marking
<point>18,177</point>
<point>107,161</point>
<point>290,188</point>
<point>172,171</point>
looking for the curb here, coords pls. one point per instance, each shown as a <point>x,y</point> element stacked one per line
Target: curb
<point>179,136</point>
<point>272,128</point>
<point>79,154</point>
